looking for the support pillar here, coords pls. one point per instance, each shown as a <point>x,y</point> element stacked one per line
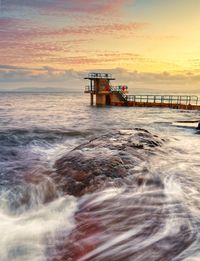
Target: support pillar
<point>91,99</point>
<point>100,99</point>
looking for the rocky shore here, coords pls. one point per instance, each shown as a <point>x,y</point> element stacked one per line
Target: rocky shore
<point>113,228</point>
<point>106,161</point>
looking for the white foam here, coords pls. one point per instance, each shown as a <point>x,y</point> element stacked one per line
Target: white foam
<point>22,237</point>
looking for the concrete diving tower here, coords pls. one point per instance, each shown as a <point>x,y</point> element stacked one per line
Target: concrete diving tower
<point>100,87</point>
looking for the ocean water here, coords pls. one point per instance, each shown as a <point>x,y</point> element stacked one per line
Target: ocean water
<point>37,220</point>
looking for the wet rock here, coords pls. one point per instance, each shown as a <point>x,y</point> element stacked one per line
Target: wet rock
<point>198,129</point>
<point>98,163</point>
<point>150,181</point>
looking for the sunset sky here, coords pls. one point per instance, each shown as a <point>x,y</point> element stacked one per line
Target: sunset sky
<point>147,44</point>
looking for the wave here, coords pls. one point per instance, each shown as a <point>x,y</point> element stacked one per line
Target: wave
<point>16,137</point>
<point>27,236</point>
<point>137,203</point>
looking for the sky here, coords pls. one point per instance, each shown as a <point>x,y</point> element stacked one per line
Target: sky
<point>150,45</point>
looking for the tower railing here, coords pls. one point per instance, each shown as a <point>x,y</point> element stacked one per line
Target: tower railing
<point>89,88</point>
<point>99,76</point>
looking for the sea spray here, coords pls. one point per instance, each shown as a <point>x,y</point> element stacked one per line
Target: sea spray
<point>26,236</point>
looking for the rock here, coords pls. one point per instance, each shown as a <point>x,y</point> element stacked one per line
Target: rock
<point>104,160</point>
<point>198,129</point>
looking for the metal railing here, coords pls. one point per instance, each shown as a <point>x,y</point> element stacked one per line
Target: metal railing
<point>122,89</point>
<point>89,88</point>
<point>164,99</point>
<point>120,92</point>
<point>118,88</point>
<point>169,99</point>
<point>99,76</point>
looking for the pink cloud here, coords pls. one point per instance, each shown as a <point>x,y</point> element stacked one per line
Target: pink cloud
<point>100,58</point>
<point>97,29</point>
<point>7,22</point>
<point>27,51</point>
<point>88,6</point>
<point>23,33</point>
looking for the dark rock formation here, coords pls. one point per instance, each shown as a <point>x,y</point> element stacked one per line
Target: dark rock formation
<point>198,129</point>
<point>107,160</point>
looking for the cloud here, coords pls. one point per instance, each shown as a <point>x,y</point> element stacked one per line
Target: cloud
<point>27,50</point>
<point>34,38</point>
<point>164,82</point>
<point>13,76</point>
<point>11,67</point>
<point>44,45</point>
<point>6,22</point>
<point>42,74</point>
<point>84,30</point>
<point>100,29</point>
<point>100,58</point>
<point>82,6</point>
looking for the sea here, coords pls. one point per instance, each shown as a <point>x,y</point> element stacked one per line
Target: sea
<point>36,218</point>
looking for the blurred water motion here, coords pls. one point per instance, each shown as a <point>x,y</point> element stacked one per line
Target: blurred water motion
<point>131,222</point>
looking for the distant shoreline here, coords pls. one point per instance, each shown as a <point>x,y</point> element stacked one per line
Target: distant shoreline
<point>43,92</point>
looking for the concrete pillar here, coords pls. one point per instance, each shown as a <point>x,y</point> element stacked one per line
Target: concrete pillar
<point>100,99</point>
<point>91,99</point>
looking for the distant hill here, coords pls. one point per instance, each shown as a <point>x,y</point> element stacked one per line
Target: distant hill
<point>42,90</point>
